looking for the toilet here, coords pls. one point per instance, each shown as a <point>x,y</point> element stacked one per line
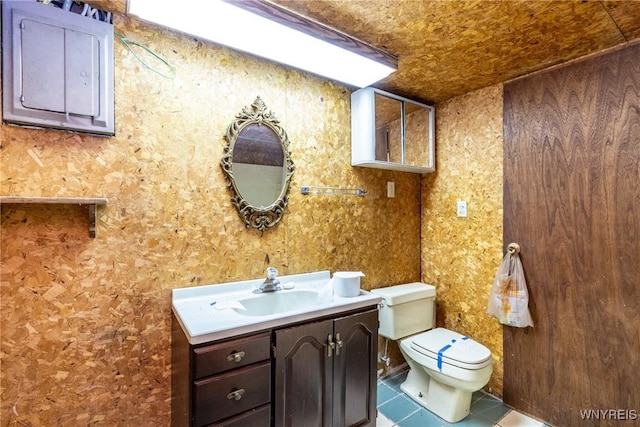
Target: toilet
<point>445,367</point>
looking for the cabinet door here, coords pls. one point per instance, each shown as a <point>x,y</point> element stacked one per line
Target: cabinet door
<point>389,146</point>
<point>354,370</point>
<point>303,375</point>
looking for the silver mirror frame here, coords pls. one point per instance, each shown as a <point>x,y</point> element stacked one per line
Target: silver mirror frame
<point>260,218</point>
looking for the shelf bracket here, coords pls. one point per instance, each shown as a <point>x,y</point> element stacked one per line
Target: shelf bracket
<point>92,219</point>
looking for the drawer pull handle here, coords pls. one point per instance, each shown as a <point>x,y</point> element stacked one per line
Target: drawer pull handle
<point>236,394</point>
<point>236,356</point>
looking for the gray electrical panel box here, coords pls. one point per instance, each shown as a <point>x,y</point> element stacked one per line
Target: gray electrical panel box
<point>57,68</point>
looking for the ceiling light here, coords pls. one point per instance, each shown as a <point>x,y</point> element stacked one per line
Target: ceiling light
<point>266,30</point>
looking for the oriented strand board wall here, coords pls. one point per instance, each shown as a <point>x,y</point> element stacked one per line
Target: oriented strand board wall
<point>460,255</point>
<point>85,334</point>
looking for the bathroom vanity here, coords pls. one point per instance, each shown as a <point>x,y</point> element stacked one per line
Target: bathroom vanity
<point>295,364</point>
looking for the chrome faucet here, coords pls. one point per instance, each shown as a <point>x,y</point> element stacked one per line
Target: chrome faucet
<point>271,283</point>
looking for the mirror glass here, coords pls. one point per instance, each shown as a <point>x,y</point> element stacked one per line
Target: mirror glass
<point>258,162</point>
<point>403,132</point>
<point>258,166</point>
<point>416,135</point>
<point>388,129</point>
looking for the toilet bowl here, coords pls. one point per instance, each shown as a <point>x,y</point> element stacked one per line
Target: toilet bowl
<point>443,381</point>
<point>445,367</point>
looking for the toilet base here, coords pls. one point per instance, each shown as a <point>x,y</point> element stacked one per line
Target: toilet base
<point>449,403</point>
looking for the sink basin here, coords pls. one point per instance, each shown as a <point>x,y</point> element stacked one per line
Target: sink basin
<point>277,302</point>
<point>213,312</point>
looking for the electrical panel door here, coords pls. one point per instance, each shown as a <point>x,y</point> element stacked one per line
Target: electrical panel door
<point>57,68</point>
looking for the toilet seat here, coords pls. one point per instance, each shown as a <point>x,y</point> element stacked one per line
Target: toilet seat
<point>449,347</point>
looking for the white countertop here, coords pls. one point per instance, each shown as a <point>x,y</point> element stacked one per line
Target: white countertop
<point>205,313</point>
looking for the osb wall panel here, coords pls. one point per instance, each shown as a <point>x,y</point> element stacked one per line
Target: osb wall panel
<point>460,255</point>
<point>449,48</point>
<point>624,14</point>
<point>85,331</point>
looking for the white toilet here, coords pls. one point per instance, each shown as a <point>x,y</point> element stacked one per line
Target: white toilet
<point>445,367</point>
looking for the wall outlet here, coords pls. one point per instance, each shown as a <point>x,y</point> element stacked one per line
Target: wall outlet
<point>391,189</point>
<point>461,208</point>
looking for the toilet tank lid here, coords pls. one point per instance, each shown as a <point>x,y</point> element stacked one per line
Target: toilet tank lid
<point>400,294</point>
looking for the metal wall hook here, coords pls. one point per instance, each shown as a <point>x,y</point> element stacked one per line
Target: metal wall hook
<point>513,248</point>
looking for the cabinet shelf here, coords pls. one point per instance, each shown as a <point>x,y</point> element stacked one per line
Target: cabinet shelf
<point>91,202</point>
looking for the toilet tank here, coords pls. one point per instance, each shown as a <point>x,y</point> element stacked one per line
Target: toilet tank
<point>406,309</point>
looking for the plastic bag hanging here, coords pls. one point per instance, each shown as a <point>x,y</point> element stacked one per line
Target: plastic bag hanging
<point>509,298</point>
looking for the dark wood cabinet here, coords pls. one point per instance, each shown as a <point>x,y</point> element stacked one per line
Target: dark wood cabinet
<point>225,383</point>
<point>325,372</point>
<point>316,373</point>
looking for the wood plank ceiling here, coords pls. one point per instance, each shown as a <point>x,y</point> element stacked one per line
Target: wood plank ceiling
<point>450,47</point>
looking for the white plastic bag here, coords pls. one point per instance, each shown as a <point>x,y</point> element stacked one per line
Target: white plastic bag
<point>509,298</point>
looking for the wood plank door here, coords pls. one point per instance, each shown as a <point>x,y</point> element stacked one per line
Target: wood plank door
<point>572,201</point>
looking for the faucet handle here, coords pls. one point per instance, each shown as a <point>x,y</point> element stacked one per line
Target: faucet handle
<point>272,273</point>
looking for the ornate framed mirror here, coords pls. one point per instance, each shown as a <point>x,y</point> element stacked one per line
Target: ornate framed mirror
<point>258,166</point>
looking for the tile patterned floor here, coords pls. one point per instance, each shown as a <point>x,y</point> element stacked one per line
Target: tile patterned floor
<point>395,409</point>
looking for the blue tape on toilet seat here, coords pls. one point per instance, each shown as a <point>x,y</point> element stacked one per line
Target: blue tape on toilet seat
<point>445,348</point>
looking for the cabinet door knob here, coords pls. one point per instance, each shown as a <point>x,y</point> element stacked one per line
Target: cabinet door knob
<point>330,345</point>
<point>236,356</point>
<point>236,394</point>
<point>339,344</point>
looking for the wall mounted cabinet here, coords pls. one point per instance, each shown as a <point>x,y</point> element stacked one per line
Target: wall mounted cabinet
<point>391,132</point>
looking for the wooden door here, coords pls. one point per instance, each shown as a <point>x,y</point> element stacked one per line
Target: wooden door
<point>354,370</point>
<point>572,201</point>
<point>303,380</point>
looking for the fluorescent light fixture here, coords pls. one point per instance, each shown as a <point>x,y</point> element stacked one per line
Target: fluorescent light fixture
<point>266,30</point>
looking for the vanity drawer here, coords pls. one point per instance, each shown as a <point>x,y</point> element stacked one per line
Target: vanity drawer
<point>221,357</point>
<point>230,393</point>
<point>259,417</point>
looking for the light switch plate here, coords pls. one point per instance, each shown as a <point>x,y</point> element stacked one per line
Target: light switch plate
<point>461,208</point>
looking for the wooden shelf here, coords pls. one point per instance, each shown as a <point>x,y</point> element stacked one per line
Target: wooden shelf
<point>91,202</point>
